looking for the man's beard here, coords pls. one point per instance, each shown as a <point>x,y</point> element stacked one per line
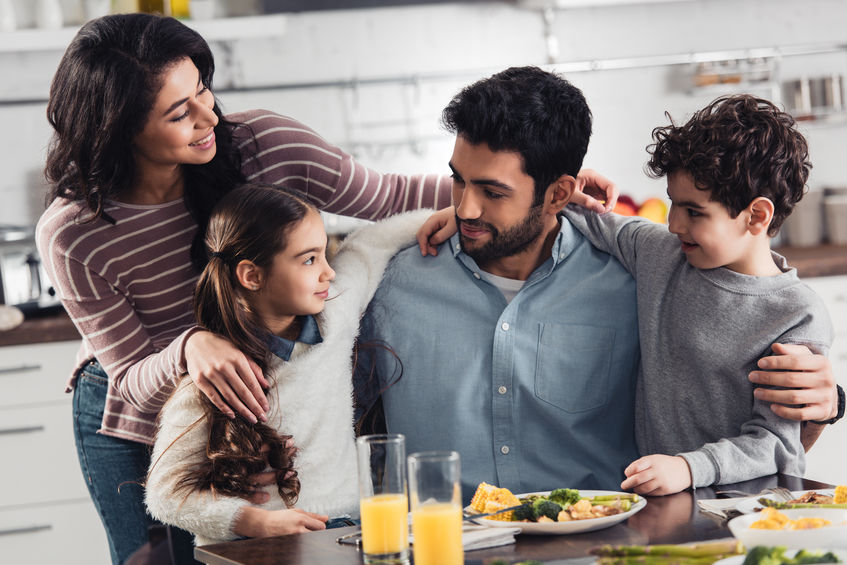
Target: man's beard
<point>506,244</point>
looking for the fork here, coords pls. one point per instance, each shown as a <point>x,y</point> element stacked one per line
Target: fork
<point>781,493</point>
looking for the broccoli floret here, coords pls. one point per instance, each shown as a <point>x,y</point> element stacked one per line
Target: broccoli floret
<point>564,497</point>
<point>525,512</point>
<point>763,555</point>
<point>804,557</point>
<point>532,498</point>
<point>544,507</point>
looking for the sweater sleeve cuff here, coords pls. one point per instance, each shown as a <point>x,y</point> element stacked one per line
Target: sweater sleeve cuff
<point>180,343</point>
<point>702,466</point>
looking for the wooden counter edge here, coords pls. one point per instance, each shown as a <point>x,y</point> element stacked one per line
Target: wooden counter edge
<point>45,329</point>
<point>817,261</point>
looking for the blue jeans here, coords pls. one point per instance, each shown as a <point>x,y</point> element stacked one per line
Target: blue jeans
<point>114,470</point>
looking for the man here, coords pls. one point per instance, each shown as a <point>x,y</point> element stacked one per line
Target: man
<point>518,341</point>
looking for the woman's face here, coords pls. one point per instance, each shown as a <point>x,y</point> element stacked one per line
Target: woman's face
<point>180,127</point>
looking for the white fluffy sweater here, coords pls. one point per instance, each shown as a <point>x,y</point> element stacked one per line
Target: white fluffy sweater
<point>311,401</point>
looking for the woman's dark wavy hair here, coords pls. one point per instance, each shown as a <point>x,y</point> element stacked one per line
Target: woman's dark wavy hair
<point>250,223</point>
<point>738,148</point>
<point>100,100</point>
<point>536,113</point>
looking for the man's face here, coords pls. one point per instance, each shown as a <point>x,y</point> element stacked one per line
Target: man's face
<point>494,199</point>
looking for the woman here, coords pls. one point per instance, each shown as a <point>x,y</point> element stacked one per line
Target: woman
<point>140,155</point>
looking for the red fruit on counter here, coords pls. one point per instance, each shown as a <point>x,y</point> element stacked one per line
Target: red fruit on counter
<point>625,206</point>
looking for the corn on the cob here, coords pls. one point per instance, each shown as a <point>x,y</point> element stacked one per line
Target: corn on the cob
<point>483,492</point>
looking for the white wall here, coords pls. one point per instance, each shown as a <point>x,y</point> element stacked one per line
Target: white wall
<point>439,48</point>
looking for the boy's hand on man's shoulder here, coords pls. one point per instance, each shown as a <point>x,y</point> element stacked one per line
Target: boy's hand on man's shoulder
<point>807,379</point>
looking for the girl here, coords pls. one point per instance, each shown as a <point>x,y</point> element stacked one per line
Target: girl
<point>267,290</point>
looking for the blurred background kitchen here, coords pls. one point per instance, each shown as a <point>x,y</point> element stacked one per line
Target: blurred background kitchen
<point>372,76</point>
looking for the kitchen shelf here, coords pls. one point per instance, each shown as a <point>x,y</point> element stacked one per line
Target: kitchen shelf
<point>218,29</point>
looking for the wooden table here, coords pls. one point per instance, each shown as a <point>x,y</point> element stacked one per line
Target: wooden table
<point>666,519</point>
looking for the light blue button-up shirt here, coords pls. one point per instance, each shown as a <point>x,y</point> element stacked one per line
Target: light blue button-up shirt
<point>535,394</point>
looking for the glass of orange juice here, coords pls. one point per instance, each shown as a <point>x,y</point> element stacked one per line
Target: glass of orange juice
<point>383,503</point>
<point>435,494</point>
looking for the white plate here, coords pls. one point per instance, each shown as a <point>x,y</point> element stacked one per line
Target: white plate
<point>749,505</point>
<point>827,536</point>
<point>739,559</point>
<point>573,526</point>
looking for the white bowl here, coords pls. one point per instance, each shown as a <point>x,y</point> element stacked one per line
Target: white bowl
<point>828,536</point>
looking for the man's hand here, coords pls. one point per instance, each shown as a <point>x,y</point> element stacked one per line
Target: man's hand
<point>808,379</point>
<point>657,475</point>
<point>224,374</point>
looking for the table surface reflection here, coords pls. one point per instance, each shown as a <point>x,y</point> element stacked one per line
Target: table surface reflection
<point>665,519</point>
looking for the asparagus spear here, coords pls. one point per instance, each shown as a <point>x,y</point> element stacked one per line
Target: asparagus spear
<point>660,560</point>
<point>710,549</point>
<point>791,505</point>
<point>601,498</point>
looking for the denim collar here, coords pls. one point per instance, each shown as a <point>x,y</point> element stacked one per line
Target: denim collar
<point>309,333</point>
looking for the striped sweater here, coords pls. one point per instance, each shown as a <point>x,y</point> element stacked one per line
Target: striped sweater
<point>128,287</point>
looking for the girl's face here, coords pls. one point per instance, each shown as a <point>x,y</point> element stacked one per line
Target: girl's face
<point>297,283</point>
<point>180,127</point>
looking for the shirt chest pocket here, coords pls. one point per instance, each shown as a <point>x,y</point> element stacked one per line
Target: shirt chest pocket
<point>572,366</point>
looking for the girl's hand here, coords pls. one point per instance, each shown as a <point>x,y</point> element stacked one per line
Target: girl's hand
<point>657,475</point>
<point>436,230</point>
<point>595,192</point>
<point>224,374</point>
<point>255,522</point>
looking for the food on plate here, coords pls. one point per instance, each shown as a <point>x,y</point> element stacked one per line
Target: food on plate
<point>773,519</point>
<point>692,554</point>
<point>489,498</point>
<point>764,555</point>
<point>810,499</point>
<point>560,505</point>
<point>813,497</point>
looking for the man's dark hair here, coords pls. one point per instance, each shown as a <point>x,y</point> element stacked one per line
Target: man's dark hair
<point>738,148</point>
<point>530,111</point>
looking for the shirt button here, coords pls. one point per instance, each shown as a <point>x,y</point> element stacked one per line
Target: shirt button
<point>505,326</point>
<point>502,390</point>
<point>476,275</point>
<point>458,246</point>
<point>504,450</point>
<point>561,255</point>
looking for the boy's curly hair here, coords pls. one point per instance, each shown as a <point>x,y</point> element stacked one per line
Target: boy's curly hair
<point>738,148</point>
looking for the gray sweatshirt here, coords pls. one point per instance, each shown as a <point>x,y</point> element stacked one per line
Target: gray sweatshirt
<point>702,332</point>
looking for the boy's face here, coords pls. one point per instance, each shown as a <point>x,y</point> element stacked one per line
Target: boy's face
<point>710,238</point>
<point>494,199</point>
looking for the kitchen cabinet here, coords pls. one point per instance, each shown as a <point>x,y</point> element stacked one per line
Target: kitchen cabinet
<point>46,515</point>
<point>827,461</point>
<point>218,29</point>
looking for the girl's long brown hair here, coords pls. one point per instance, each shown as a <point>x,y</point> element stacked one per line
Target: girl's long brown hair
<point>250,223</point>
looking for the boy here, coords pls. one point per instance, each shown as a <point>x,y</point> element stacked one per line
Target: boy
<point>713,297</point>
